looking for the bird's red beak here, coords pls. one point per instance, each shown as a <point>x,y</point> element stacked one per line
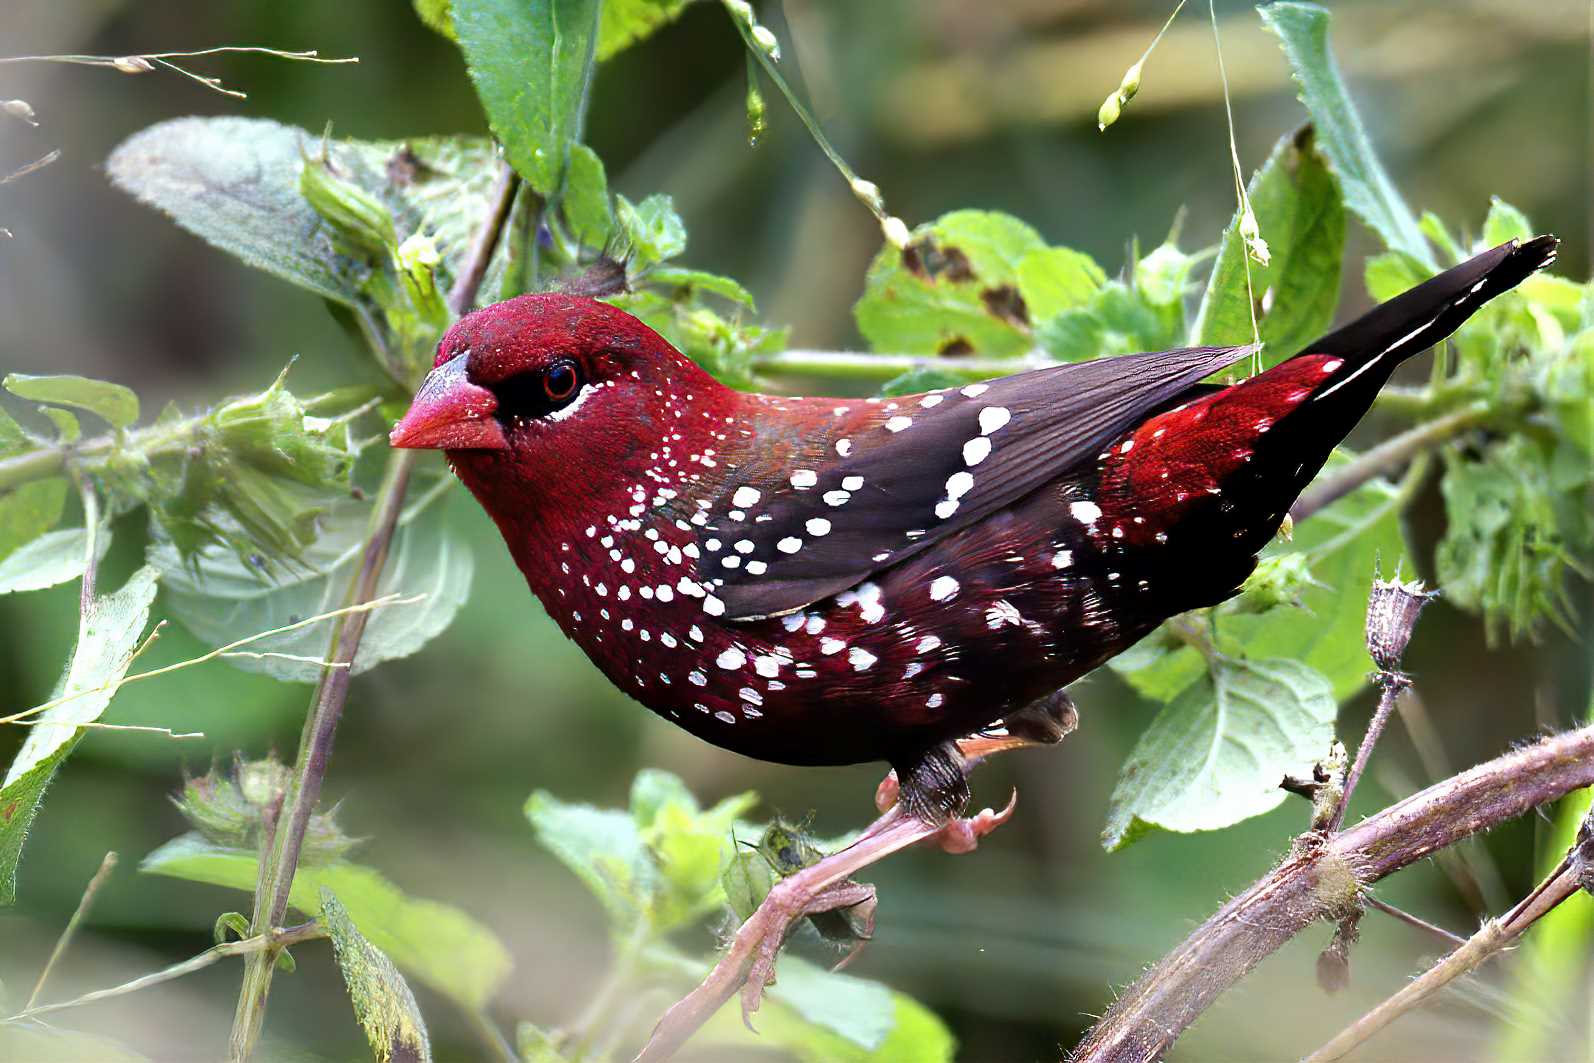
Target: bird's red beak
<point>450,413</point>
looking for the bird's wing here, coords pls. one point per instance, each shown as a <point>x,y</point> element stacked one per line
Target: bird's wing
<point>882,480</point>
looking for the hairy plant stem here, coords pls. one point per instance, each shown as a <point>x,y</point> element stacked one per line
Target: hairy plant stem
<point>1322,878</point>
<point>280,856</point>
<point>107,865</point>
<point>1493,937</point>
<point>1390,686</point>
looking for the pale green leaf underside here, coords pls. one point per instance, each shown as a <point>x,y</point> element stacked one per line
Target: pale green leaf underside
<point>1216,754</point>
<point>438,944</point>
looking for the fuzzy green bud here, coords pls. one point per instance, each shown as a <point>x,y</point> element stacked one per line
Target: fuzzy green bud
<point>231,810</point>
<point>740,10</point>
<point>1278,580</point>
<point>418,259</point>
<point>357,217</point>
<point>756,120</point>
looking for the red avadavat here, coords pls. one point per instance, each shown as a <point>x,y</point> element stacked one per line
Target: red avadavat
<point>828,581</point>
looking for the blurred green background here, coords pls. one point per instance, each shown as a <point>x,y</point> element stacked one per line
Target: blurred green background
<point>945,104</point>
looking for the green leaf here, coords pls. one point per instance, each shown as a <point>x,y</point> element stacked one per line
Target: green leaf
<point>922,379</point>
<point>234,182</point>
<point>29,511</point>
<point>823,1017</point>
<point>12,438</point>
<point>1215,755</point>
<point>1504,223</point>
<point>954,289</point>
<point>67,429</point>
<point>690,281</point>
<point>1515,521</point>
<point>652,228</point>
<point>1118,320</point>
<point>382,1000</point>
<point>1302,30</point>
<point>436,943</point>
<point>1297,204</point>
<point>221,598</point>
<point>437,16</point>
<point>625,22</point>
<point>604,849</point>
<point>52,558</point>
<point>1057,279</point>
<point>653,791</point>
<point>535,1045</point>
<point>586,200</point>
<point>108,633</point>
<point>1392,273</point>
<point>113,402</point>
<point>531,62</point>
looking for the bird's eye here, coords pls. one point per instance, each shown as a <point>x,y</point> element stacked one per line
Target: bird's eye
<point>559,381</point>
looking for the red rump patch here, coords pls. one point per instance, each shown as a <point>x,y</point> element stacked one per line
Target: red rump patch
<point>1175,459</point>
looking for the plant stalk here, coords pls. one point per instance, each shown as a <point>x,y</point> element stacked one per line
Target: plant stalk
<point>280,861</point>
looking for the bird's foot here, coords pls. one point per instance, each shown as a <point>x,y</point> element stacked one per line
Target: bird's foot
<point>748,962</point>
<point>928,808</point>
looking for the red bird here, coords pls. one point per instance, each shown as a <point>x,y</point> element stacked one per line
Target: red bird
<point>829,581</point>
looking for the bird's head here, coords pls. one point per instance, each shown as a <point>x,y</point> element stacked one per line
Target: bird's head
<point>545,392</point>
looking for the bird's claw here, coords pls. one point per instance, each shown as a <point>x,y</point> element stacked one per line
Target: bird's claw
<point>962,834</point>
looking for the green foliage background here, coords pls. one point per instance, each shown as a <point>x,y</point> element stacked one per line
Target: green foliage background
<point>945,106</point>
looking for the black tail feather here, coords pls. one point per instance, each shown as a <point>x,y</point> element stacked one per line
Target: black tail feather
<point>1416,320</point>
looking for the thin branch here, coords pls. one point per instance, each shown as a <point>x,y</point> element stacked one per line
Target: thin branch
<point>1493,937</point>
<point>280,861</point>
<point>1321,879</point>
<point>84,903</point>
<point>1387,456</point>
<point>147,62</point>
<point>1373,901</point>
<point>463,294</point>
<point>248,946</point>
<point>1390,685</point>
<point>229,650</point>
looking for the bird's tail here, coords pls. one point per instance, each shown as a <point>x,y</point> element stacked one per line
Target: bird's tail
<point>1378,341</point>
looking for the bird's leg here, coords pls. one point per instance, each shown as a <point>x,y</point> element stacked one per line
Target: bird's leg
<point>929,806</point>
<point>749,961</point>
<point>1044,722</point>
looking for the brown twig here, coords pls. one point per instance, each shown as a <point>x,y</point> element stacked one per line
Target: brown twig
<point>1321,879</point>
<point>469,282</point>
<point>1491,938</point>
<point>1373,901</point>
<point>281,858</point>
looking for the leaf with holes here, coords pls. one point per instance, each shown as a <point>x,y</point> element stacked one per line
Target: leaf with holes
<point>1215,754</point>
<point>955,289</point>
<point>382,999</point>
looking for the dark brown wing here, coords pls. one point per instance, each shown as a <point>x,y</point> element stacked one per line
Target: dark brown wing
<point>919,468</point>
